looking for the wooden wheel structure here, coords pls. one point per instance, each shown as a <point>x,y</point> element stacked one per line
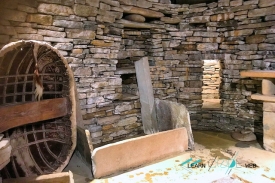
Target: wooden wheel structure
<point>42,133</point>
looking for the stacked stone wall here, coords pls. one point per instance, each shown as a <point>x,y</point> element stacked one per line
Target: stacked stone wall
<point>98,37</point>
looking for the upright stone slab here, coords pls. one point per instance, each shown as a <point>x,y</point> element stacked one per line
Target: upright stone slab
<point>171,115</point>
<point>268,86</point>
<point>148,113</point>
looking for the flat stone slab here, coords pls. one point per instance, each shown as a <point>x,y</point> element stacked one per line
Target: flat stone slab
<point>266,98</point>
<point>125,71</point>
<point>131,24</point>
<point>131,153</point>
<point>244,137</point>
<point>258,74</point>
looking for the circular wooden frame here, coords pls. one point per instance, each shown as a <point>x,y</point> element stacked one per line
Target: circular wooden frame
<point>46,144</point>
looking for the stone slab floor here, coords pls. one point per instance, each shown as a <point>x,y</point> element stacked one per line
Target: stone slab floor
<point>217,157</point>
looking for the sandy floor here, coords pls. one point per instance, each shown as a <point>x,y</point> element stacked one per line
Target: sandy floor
<point>217,159</point>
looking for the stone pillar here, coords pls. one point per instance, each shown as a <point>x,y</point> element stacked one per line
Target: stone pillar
<point>269,126</point>
<point>148,113</point>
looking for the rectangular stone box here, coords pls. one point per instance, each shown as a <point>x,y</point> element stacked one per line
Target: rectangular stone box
<point>131,153</point>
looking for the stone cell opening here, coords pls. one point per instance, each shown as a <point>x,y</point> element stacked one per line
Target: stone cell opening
<point>211,84</point>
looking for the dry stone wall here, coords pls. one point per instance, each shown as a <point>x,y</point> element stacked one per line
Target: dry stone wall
<point>99,37</point>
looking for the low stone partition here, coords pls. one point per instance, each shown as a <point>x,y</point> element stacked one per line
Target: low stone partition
<point>131,153</point>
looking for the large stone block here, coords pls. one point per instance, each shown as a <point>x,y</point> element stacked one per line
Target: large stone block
<point>144,4</point>
<point>108,120</point>
<point>265,3</point>
<point>85,11</point>
<point>94,3</point>
<point>13,15</point>
<point>206,34</point>
<point>199,19</point>
<point>51,33</point>
<point>255,39</point>
<point>135,18</point>
<point>222,17</point>
<point>171,115</point>
<point>264,46</point>
<point>7,30</point>
<point>54,9</point>
<point>268,87</point>
<point>68,24</point>
<point>237,33</point>
<point>111,2</point>
<point>261,12</point>
<point>207,46</point>
<point>128,2</point>
<point>127,121</point>
<point>84,34</point>
<point>40,19</point>
<point>131,153</point>
<point>169,20</point>
<point>142,11</point>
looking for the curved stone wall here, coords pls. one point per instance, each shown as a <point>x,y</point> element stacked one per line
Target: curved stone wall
<point>95,35</point>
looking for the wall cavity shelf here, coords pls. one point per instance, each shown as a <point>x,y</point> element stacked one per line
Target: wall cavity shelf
<point>125,71</point>
<point>258,74</point>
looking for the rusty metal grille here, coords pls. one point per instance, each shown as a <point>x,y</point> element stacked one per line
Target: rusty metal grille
<point>39,148</point>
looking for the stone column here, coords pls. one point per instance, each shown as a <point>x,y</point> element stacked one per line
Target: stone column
<point>148,113</point>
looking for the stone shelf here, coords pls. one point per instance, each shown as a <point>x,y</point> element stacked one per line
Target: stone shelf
<point>265,98</point>
<point>125,71</point>
<point>126,96</point>
<point>258,74</point>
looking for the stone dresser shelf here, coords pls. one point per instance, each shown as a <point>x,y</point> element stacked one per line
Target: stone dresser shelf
<point>258,74</point>
<point>265,98</point>
<point>125,71</point>
<point>268,98</point>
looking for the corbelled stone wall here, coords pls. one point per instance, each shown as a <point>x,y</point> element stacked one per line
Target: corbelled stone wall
<point>100,38</point>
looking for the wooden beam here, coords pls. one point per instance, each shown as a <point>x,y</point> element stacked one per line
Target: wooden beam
<point>22,114</point>
<point>258,74</point>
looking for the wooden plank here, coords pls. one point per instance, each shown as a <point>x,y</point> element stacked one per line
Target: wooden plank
<point>18,115</point>
<point>266,98</point>
<point>258,74</point>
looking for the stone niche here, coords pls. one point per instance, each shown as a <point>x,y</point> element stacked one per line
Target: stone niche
<point>211,84</point>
